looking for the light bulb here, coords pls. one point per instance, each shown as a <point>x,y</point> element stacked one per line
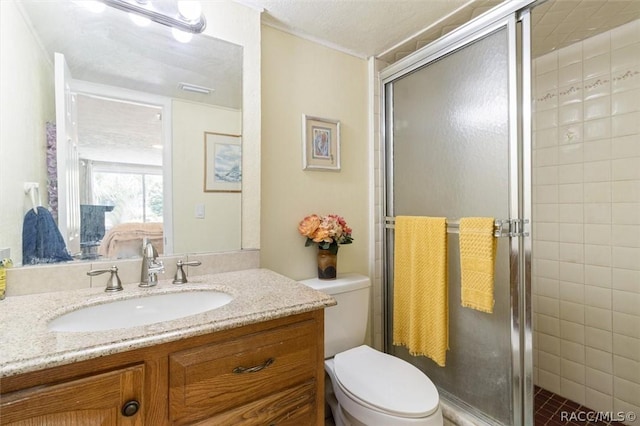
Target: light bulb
<point>140,21</point>
<point>189,9</point>
<point>181,36</point>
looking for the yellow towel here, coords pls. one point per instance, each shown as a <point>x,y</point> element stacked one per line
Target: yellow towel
<point>477,262</point>
<point>420,294</point>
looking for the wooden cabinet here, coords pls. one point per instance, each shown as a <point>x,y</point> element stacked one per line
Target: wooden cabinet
<point>270,373</point>
<point>97,400</point>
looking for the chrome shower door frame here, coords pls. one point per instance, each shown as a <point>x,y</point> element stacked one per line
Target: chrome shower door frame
<point>514,16</point>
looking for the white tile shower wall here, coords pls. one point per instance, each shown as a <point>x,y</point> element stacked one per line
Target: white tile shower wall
<point>586,224</point>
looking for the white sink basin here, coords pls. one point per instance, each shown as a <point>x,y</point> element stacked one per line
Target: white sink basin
<point>139,311</point>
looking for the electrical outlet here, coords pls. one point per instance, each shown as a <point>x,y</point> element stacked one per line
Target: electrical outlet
<point>5,253</point>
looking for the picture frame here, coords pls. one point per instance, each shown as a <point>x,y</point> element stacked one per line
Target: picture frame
<point>222,162</point>
<point>320,143</point>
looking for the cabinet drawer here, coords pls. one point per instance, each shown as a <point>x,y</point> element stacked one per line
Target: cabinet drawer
<point>290,407</point>
<point>212,379</point>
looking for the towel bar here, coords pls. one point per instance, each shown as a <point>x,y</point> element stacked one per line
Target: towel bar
<point>501,227</point>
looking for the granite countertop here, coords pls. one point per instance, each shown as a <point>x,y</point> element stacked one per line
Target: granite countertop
<point>27,345</point>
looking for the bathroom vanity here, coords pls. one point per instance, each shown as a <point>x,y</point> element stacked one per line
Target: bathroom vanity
<point>257,360</point>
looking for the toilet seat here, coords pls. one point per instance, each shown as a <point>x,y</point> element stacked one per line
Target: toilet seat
<point>385,383</point>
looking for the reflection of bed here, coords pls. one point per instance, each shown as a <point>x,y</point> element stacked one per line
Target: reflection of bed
<point>125,240</point>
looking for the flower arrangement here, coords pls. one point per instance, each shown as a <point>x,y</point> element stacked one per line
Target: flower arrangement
<point>326,231</point>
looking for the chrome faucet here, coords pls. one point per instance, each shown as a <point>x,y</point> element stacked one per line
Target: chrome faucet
<point>114,283</point>
<point>181,275</point>
<point>151,267</point>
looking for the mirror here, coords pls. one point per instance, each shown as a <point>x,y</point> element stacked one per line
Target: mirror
<point>120,74</point>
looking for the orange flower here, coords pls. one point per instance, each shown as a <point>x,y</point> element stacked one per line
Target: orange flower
<point>322,235</point>
<point>308,226</point>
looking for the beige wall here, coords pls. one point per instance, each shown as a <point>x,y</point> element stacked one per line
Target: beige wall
<point>302,77</point>
<point>27,104</point>
<point>220,228</point>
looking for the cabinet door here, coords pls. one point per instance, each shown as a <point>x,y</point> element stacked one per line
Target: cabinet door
<point>96,400</point>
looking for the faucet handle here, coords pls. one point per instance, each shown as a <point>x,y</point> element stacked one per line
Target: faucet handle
<point>181,275</point>
<point>114,283</point>
<point>156,267</point>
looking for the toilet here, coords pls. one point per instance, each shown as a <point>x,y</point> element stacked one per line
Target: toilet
<point>368,387</point>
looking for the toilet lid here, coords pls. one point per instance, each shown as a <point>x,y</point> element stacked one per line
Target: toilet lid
<point>386,383</point>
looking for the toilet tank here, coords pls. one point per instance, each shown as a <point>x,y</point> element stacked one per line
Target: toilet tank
<point>345,324</point>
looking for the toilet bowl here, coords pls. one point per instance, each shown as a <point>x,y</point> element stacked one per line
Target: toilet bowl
<point>368,387</point>
<point>373,388</point>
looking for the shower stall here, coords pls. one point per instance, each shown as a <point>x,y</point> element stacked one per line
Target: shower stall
<point>491,121</point>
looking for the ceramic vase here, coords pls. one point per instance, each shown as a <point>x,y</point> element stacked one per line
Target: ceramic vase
<point>327,264</point>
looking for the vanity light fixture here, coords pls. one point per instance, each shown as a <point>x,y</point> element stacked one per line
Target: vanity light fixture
<point>188,87</point>
<point>183,15</point>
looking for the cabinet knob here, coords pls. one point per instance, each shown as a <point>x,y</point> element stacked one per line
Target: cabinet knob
<point>130,408</point>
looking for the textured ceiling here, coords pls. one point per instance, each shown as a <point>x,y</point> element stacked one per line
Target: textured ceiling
<point>121,132</point>
<point>108,48</point>
<point>390,30</point>
<point>361,27</point>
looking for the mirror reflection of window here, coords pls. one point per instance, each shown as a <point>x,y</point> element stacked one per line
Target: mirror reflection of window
<point>135,195</point>
<point>120,152</point>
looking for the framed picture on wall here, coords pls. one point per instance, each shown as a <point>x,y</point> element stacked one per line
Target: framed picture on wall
<point>222,162</point>
<point>320,143</point>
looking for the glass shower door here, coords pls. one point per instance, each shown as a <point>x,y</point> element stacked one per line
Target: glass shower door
<point>450,135</point>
